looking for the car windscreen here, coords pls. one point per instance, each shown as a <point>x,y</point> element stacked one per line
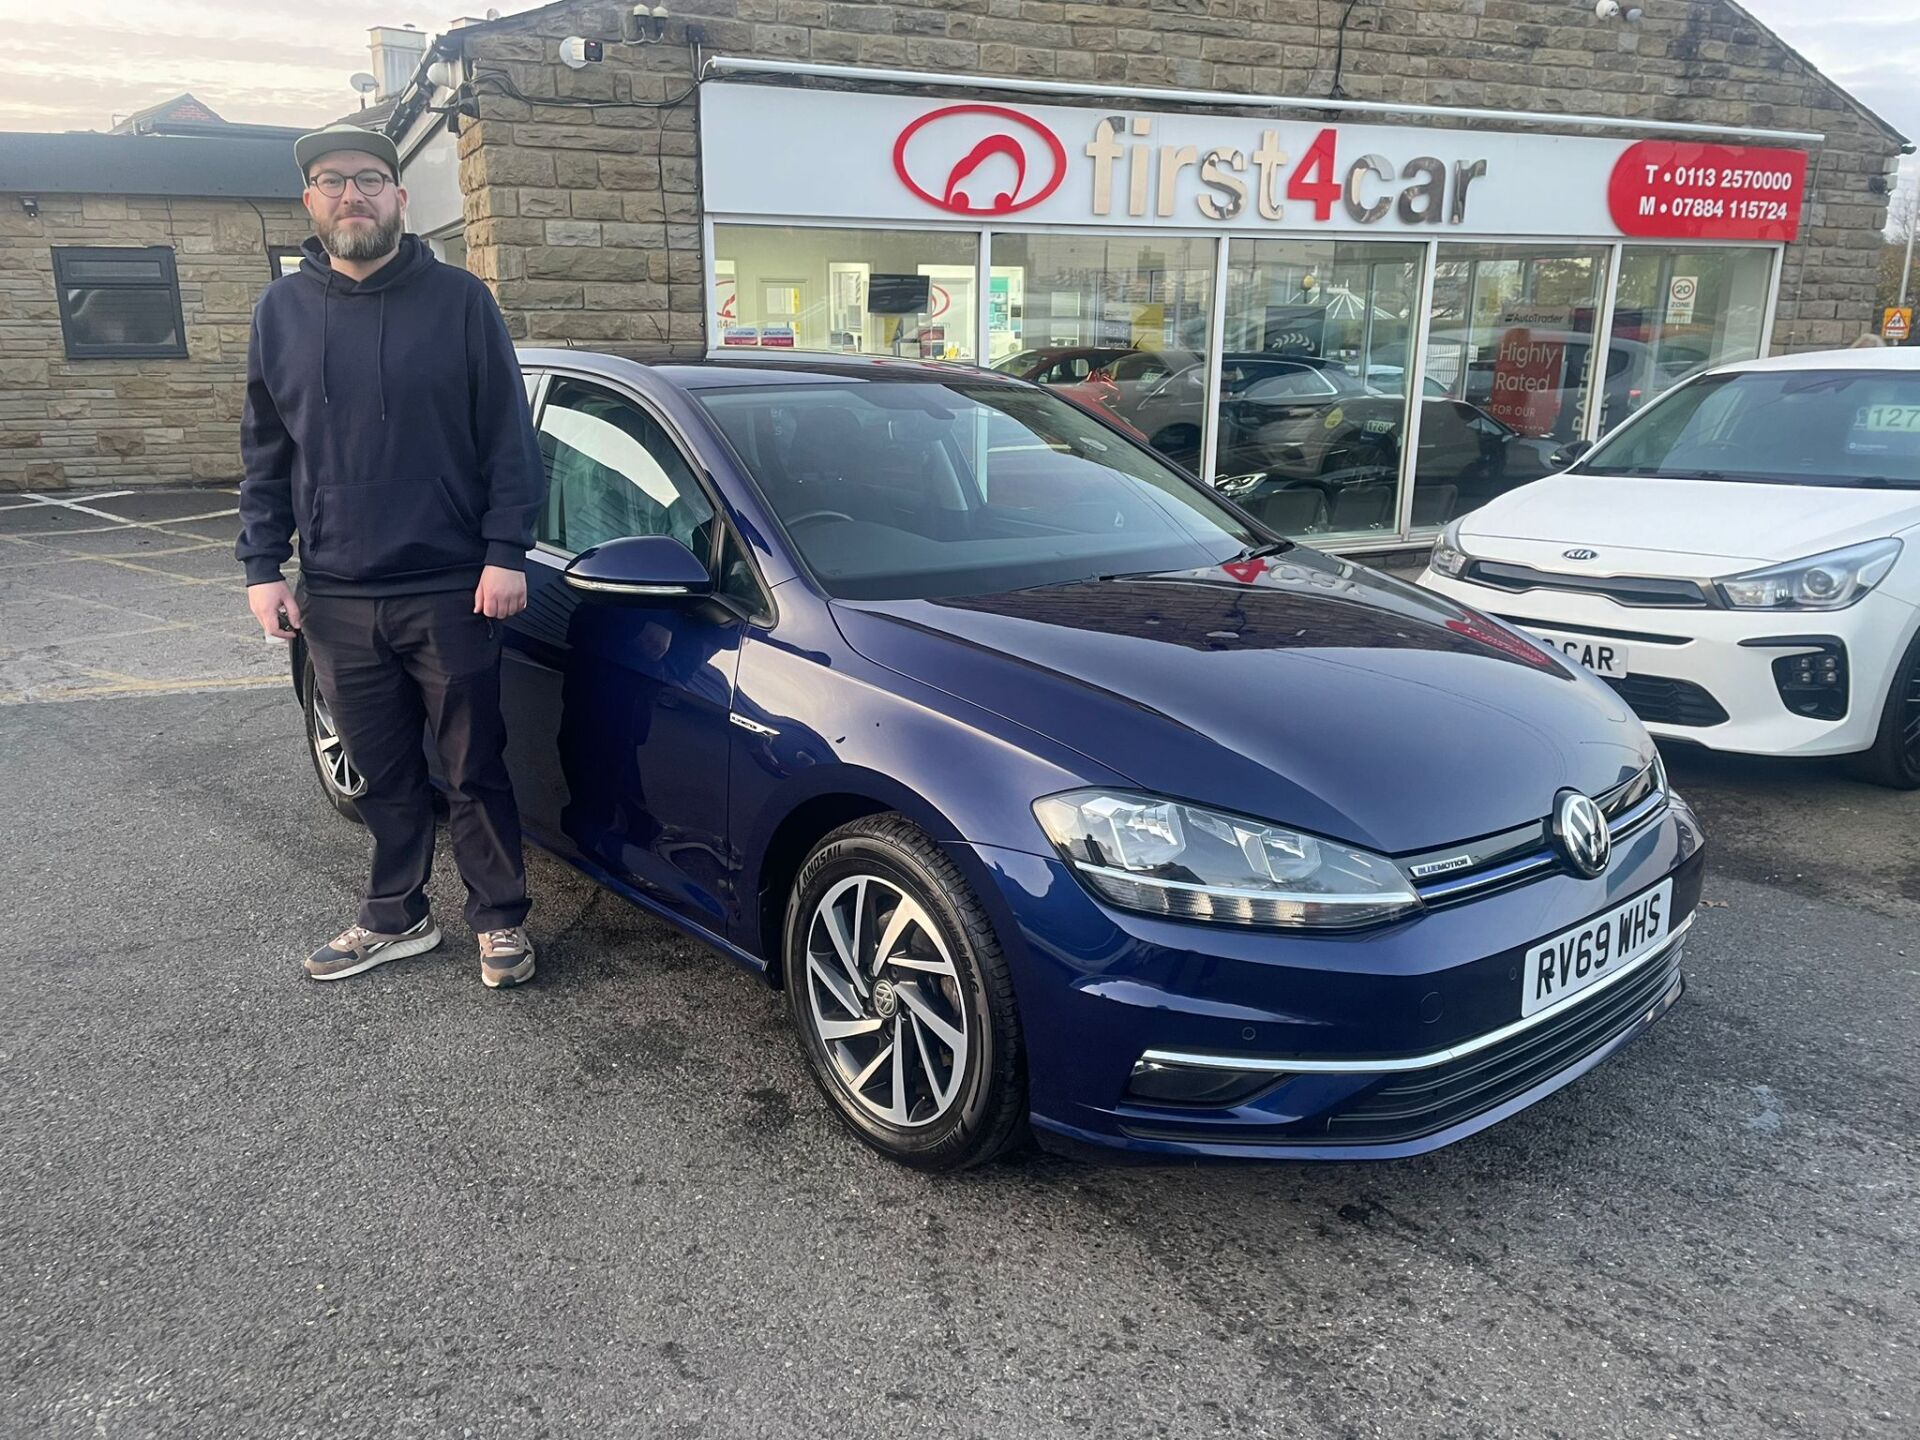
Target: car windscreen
<point>908,490</point>
<point>1799,427</point>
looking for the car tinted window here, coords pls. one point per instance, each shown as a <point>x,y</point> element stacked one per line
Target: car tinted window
<point>1146,365</point>
<point>1808,427</point>
<point>613,471</point>
<point>895,490</point>
<point>1289,385</point>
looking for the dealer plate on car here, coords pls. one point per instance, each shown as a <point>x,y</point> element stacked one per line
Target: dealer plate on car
<point>1603,657</point>
<point>1612,941</point>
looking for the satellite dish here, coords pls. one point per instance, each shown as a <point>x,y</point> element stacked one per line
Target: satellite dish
<point>493,14</point>
<point>363,82</point>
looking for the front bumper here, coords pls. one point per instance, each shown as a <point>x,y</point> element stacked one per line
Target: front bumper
<point>1708,676</point>
<point>1387,1043</point>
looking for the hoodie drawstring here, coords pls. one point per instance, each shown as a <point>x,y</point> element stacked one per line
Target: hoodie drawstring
<point>379,357</point>
<point>325,398</point>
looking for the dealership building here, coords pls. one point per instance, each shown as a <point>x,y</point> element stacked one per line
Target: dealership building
<point>1378,261</point>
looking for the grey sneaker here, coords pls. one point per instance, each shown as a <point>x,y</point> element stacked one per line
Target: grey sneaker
<point>506,957</point>
<point>357,948</point>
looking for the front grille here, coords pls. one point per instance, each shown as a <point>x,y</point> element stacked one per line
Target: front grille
<point>1444,1095</point>
<point>1514,857</point>
<point>1637,591</point>
<point>1643,637</point>
<point>1664,701</point>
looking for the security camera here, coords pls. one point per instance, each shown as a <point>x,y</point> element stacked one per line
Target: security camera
<point>1607,9</point>
<point>577,53</point>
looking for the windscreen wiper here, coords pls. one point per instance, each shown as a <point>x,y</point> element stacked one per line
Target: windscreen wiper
<point>1261,552</point>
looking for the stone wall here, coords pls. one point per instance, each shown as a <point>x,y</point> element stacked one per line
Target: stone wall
<point>86,423</point>
<point>587,221</point>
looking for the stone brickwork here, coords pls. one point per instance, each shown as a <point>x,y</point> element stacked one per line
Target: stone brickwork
<point>84,423</point>
<point>587,221</point>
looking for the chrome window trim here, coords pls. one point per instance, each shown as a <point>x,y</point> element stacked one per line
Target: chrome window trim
<point>1273,1065</point>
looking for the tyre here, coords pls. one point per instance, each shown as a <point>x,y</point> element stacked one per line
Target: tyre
<point>902,998</point>
<point>339,781</point>
<point>1894,760</point>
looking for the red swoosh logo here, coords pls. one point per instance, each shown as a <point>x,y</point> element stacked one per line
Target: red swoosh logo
<point>988,148</point>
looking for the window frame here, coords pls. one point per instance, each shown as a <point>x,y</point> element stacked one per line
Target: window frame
<point>541,384</point>
<point>77,349</point>
<point>276,254</point>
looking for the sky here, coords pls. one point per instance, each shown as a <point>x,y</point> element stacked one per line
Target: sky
<point>75,64</point>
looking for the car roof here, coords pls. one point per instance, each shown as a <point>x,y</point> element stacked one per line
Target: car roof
<point>722,371</point>
<point>1867,357</point>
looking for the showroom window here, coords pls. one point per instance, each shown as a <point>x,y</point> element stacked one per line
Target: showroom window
<point>1312,403</point>
<point>1681,310</point>
<point>1508,356</point>
<point>854,292</point>
<point>119,303</point>
<point>1136,308</point>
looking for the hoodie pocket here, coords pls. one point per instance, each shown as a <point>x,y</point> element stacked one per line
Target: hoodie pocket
<point>383,528</point>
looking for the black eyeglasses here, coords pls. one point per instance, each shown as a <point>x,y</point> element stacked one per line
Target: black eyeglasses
<point>333,185</point>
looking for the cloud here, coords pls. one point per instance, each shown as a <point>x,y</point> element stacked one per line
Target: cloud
<point>75,64</point>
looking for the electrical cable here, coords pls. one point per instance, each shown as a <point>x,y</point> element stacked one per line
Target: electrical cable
<point>1335,92</point>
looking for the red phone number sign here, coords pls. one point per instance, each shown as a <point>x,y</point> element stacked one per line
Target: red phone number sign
<point>1678,190</point>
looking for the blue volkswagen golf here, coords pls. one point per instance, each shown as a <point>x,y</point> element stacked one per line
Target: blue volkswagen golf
<point>1056,793</point>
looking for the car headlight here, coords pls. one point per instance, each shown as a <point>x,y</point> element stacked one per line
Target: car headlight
<point>1831,581</point>
<point>1448,557</point>
<point>1165,858</point>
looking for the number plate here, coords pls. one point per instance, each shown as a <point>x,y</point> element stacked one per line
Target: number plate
<point>1579,958</point>
<point>1603,657</point>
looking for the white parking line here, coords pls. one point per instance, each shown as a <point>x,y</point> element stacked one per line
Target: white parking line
<point>36,498</point>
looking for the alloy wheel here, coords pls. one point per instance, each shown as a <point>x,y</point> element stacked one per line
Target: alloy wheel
<point>335,767</point>
<point>885,998</point>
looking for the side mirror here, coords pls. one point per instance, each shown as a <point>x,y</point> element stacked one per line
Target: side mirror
<point>649,568</point>
<point>1568,453</point>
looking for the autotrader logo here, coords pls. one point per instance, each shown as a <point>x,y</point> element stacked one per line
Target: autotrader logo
<point>979,160</point>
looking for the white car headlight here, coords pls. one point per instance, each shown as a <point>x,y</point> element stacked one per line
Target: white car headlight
<point>1165,858</point>
<point>1448,557</point>
<point>1831,581</point>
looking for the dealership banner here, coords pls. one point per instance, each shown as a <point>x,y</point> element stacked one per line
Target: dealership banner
<point>774,151</point>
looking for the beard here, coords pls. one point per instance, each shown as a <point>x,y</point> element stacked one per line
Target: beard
<point>360,242</point>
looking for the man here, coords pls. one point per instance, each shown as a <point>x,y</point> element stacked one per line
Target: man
<point>386,421</point>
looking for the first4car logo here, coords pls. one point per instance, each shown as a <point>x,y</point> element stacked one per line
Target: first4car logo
<point>979,160</point>
<point>991,160</point>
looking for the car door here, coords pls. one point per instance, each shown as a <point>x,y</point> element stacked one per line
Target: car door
<point>617,711</point>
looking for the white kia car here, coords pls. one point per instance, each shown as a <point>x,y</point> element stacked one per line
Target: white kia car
<point>1741,560</point>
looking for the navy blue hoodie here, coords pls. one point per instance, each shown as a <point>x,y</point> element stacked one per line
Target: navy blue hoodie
<point>386,421</point>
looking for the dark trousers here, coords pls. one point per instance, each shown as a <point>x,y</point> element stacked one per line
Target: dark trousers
<point>390,670</point>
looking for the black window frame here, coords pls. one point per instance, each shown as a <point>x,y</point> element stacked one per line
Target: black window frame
<point>63,255</point>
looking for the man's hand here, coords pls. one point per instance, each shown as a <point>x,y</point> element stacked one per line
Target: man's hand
<point>502,593</point>
<point>267,601</point>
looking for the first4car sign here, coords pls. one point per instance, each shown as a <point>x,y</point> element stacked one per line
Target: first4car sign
<point>770,151</point>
